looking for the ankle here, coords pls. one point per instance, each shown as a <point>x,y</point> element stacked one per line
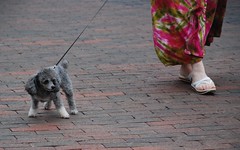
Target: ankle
<point>198,71</point>
<point>185,69</point>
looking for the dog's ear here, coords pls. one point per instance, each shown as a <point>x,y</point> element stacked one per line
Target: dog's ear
<point>64,64</point>
<point>31,85</point>
<point>59,79</point>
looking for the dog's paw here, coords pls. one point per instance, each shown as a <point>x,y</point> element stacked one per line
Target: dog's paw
<point>47,105</point>
<point>63,113</point>
<point>32,116</point>
<point>74,112</point>
<point>32,113</point>
<point>65,116</point>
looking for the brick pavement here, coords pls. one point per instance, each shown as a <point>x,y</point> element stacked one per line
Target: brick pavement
<point>127,99</point>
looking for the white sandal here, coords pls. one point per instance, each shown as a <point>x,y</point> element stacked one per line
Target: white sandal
<point>187,79</point>
<point>205,80</point>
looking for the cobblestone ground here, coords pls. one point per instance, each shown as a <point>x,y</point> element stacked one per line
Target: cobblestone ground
<point>127,99</point>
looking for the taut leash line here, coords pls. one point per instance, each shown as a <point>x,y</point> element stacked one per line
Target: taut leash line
<point>82,31</point>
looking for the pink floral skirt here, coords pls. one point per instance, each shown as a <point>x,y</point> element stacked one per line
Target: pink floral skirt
<point>181,28</point>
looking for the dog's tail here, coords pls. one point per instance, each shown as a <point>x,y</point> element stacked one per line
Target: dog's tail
<point>64,64</point>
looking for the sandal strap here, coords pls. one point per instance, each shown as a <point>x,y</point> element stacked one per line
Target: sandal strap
<point>205,80</point>
<point>185,78</point>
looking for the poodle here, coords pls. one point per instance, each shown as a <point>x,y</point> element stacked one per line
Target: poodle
<point>45,87</point>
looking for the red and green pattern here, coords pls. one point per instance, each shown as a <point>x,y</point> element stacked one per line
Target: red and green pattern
<point>181,28</point>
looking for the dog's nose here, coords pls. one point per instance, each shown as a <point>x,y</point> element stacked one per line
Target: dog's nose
<point>53,87</point>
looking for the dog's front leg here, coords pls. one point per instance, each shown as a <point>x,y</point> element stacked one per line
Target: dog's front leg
<point>33,109</point>
<point>67,88</point>
<point>72,104</point>
<point>60,107</point>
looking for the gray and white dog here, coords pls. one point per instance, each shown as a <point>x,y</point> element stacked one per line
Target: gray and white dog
<point>45,87</point>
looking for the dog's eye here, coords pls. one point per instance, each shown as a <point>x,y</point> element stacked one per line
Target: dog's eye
<point>46,82</point>
<point>54,81</point>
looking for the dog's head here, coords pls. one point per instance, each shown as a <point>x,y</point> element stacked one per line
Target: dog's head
<point>49,80</point>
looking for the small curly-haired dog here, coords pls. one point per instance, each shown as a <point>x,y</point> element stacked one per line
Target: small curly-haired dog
<point>45,87</point>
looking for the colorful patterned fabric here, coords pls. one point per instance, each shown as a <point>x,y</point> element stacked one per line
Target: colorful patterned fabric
<point>181,28</point>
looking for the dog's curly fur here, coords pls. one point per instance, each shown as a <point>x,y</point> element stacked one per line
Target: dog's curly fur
<point>45,87</point>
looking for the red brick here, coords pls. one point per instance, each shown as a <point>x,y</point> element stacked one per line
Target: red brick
<point>46,43</point>
<point>14,98</point>
<point>151,148</point>
<point>162,123</point>
<point>82,147</point>
<point>119,149</point>
<point>7,113</point>
<point>100,94</point>
<point>95,41</point>
<point>32,128</point>
<point>127,99</point>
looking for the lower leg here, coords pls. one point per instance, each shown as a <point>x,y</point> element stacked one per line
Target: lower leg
<point>198,71</point>
<point>72,105</point>
<point>33,109</point>
<point>60,107</point>
<point>185,69</point>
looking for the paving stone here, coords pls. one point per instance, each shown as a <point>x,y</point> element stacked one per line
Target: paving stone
<point>127,99</point>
